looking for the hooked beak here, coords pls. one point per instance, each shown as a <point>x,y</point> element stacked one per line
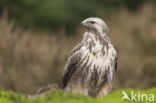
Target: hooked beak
<point>84,23</point>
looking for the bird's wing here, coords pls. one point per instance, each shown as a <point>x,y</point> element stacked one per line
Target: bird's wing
<point>74,60</point>
<point>75,49</point>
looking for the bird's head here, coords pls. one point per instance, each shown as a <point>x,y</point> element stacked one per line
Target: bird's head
<point>95,24</point>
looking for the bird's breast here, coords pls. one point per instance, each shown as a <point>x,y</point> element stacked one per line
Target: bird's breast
<point>99,61</point>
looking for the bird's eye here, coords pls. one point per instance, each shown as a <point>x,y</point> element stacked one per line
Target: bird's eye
<point>92,22</point>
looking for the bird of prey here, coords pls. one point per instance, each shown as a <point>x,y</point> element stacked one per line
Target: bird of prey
<point>91,65</point>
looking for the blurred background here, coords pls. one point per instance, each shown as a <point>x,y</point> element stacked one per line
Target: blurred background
<point>37,35</point>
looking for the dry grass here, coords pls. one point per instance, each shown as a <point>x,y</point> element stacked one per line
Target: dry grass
<point>134,35</point>
<point>29,60</point>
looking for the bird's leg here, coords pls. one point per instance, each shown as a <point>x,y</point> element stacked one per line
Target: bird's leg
<point>103,91</point>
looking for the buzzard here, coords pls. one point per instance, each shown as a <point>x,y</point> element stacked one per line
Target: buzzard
<point>91,65</point>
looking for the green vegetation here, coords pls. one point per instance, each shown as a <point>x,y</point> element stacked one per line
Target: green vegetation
<point>55,14</point>
<point>59,97</point>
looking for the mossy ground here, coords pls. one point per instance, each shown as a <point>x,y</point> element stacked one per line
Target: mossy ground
<point>59,97</point>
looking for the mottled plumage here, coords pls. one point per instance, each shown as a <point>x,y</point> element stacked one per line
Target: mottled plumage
<point>92,63</point>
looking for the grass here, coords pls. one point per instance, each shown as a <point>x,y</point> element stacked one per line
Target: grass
<point>59,97</point>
